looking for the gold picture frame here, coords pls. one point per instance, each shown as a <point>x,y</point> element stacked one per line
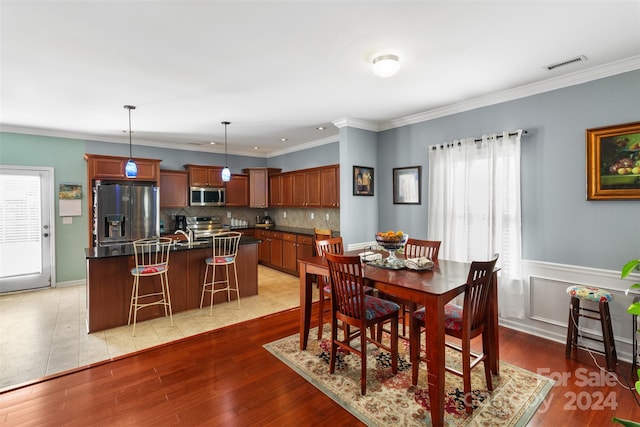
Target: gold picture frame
<point>613,162</point>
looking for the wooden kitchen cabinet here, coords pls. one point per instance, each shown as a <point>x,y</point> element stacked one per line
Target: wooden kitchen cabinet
<point>294,247</point>
<point>259,186</point>
<point>330,186</point>
<point>205,176</point>
<point>275,190</point>
<point>280,190</point>
<point>306,188</point>
<point>289,252</point>
<point>112,167</point>
<point>282,250</point>
<point>237,193</point>
<point>270,249</point>
<point>174,189</point>
<point>305,247</point>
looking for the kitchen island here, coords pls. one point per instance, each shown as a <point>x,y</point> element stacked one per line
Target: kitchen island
<point>109,280</point>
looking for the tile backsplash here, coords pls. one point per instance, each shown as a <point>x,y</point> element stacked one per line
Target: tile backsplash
<point>290,217</point>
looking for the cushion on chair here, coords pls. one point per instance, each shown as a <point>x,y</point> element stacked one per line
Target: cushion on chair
<point>589,293</point>
<point>377,307</point>
<point>452,316</point>
<point>220,260</point>
<point>148,269</point>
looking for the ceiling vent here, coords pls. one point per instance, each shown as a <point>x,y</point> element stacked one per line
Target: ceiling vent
<point>567,62</point>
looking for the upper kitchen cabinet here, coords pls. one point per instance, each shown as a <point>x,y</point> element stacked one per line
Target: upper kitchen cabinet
<point>112,167</point>
<point>306,188</point>
<point>205,176</point>
<point>174,189</point>
<point>259,186</point>
<point>281,190</point>
<point>238,191</point>
<point>330,186</point>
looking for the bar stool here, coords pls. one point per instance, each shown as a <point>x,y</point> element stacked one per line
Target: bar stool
<point>225,250</point>
<point>152,259</point>
<point>580,294</point>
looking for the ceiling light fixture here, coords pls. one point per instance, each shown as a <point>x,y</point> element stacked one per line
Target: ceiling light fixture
<point>320,128</point>
<point>226,173</point>
<point>385,65</point>
<point>131,169</point>
<point>283,139</point>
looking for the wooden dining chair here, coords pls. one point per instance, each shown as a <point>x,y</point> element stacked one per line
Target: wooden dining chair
<point>414,248</point>
<point>353,307</point>
<point>465,323</point>
<point>322,234</point>
<point>333,246</point>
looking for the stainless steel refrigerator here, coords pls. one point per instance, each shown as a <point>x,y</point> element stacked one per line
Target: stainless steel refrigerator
<point>124,213</point>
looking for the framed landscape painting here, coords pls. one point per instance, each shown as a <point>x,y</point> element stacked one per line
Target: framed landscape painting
<point>613,162</point>
<point>362,181</point>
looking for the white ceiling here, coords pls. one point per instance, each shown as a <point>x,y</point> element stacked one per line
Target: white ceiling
<point>279,69</point>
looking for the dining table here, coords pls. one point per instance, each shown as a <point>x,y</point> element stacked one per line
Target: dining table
<point>433,289</point>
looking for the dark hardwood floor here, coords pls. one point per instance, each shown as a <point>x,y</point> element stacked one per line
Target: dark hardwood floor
<point>225,377</point>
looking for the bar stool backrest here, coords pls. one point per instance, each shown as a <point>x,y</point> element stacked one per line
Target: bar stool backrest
<point>225,247</point>
<point>152,255</point>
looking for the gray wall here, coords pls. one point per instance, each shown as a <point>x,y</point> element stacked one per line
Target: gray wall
<point>559,224</point>
<point>327,154</point>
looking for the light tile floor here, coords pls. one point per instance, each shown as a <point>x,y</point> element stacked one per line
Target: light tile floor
<point>44,332</point>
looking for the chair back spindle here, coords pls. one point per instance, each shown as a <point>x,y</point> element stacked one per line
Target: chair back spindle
<point>416,248</point>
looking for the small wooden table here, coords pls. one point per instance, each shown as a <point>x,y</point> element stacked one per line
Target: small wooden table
<point>432,289</point>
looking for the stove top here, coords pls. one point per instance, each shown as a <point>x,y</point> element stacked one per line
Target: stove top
<point>204,227</point>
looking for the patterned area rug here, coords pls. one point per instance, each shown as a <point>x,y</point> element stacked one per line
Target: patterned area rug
<point>392,400</point>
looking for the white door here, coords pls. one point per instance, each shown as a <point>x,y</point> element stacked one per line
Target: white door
<point>25,221</point>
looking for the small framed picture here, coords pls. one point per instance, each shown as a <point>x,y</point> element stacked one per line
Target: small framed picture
<point>613,162</point>
<point>362,181</point>
<point>406,185</point>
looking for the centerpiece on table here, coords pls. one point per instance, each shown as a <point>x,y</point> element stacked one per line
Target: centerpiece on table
<point>392,241</point>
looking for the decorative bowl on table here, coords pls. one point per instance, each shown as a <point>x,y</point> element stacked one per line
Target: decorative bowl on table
<point>392,241</point>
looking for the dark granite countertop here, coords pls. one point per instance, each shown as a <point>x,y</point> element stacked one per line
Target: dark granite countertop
<point>126,249</point>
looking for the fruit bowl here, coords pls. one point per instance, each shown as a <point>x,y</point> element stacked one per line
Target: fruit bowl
<point>392,241</point>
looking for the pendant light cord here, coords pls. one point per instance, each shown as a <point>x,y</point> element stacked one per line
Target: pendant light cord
<point>129,132</point>
<point>130,107</point>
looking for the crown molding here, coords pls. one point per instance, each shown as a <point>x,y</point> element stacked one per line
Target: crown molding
<point>566,80</point>
<point>305,146</point>
<point>356,123</point>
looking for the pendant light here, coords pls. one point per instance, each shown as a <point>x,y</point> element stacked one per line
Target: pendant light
<point>131,169</point>
<point>226,173</point>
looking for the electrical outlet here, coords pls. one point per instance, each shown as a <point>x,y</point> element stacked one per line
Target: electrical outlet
<point>284,214</point>
<point>312,215</point>
<point>326,217</point>
<point>228,214</point>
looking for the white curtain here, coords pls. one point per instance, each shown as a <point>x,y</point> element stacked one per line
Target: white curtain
<point>474,208</point>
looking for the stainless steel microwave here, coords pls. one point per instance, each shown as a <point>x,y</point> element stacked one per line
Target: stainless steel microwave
<point>206,196</point>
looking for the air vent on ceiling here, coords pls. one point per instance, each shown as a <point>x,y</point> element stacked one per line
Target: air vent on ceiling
<point>567,62</point>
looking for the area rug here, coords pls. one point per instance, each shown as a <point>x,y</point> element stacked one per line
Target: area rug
<point>393,400</point>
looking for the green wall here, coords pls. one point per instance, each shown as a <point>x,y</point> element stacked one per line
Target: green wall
<point>66,156</point>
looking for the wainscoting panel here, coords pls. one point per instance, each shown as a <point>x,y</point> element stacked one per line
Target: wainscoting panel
<point>548,302</point>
